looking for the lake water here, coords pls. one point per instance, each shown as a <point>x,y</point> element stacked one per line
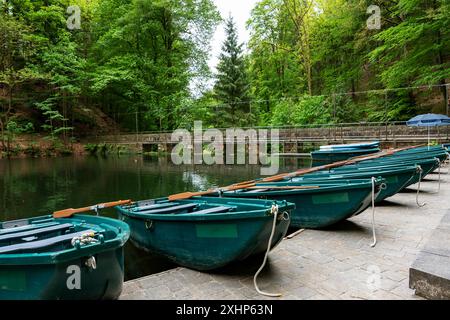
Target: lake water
<point>33,187</point>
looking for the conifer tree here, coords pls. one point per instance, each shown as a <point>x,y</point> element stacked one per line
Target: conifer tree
<point>232,84</point>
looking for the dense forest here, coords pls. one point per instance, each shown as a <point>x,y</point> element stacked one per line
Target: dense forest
<point>143,64</point>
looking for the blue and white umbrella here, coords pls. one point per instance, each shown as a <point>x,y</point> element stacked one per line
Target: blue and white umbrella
<point>429,120</point>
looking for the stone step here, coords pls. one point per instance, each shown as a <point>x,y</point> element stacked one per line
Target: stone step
<point>430,273</point>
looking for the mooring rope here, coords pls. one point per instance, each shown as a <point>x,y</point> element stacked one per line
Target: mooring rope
<point>418,187</point>
<point>439,172</point>
<point>447,162</point>
<point>274,211</point>
<point>84,239</point>
<point>373,213</point>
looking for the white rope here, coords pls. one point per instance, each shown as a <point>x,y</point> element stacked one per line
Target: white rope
<point>439,171</point>
<point>85,238</point>
<point>373,214</point>
<point>274,211</point>
<point>418,187</point>
<point>447,162</point>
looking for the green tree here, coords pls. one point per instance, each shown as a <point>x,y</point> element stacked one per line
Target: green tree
<point>16,45</point>
<point>306,110</point>
<point>273,66</point>
<point>414,50</point>
<point>147,52</point>
<point>232,84</point>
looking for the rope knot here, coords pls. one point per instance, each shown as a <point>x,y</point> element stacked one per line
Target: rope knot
<point>84,239</point>
<point>274,209</point>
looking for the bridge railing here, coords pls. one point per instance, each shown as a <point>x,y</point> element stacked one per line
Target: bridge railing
<point>383,131</point>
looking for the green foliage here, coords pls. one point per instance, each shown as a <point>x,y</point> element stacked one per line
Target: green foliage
<point>149,58</point>
<point>146,54</point>
<point>55,122</point>
<point>32,150</point>
<point>308,110</point>
<point>14,128</point>
<point>104,149</point>
<point>411,49</point>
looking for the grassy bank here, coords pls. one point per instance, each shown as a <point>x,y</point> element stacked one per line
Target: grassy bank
<point>36,147</point>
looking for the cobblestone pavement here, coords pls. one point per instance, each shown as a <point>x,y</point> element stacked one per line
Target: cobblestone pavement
<point>337,263</point>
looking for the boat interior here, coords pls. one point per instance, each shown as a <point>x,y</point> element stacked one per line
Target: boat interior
<point>47,235</point>
<point>192,206</point>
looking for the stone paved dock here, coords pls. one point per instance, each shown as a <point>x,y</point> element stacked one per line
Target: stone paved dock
<point>337,263</point>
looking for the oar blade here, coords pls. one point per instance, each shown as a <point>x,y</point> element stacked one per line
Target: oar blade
<point>188,195</point>
<point>64,213</point>
<point>67,213</point>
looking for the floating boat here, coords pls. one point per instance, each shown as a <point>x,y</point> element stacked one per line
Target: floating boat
<point>423,149</point>
<point>351,146</point>
<point>329,156</point>
<point>427,166</point>
<point>206,233</point>
<point>62,258</point>
<point>396,178</point>
<point>318,204</point>
<point>440,154</point>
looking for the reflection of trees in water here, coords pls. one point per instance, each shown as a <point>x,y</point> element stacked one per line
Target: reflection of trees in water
<point>29,187</point>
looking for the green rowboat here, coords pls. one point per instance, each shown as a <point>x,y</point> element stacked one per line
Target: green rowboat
<point>319,205</point>
<point>65,258</point>
<point>205,233</point>
<point>329,156</point>
<point>396,178</point>
<point>427,165</point>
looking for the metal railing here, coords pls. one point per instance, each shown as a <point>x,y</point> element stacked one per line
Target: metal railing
<point>384,131</point>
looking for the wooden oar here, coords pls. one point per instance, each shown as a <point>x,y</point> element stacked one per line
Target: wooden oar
<point>67,213</point>
<point>248,184</point>
<point>283,187</point>
<point>188,195</point>
<point>282,176</point>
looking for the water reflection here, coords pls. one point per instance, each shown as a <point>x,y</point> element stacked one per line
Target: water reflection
<point>33,187</point>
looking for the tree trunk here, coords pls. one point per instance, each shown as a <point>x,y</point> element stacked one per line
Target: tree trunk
<point>2,131</point>
<point>8,145</point>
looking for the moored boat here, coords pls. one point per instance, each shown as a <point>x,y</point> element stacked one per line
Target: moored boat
<point>329,156</point>
<point>351,146</point>
<point>206,233</point>
<point>317,204</point>
<point>396,178</point>
<point>49,258</point>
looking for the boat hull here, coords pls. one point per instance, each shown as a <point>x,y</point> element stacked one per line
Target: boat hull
<point>206,243</point>
<point>321,207</point>
<point>57,281</point>
<point>66,274</point>
<point>329,156</point>
<point>395,180</point>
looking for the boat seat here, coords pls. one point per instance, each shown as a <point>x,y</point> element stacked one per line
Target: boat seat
<point>171,209</point>
<point>154,206</point>
<point>256,190</point>
<point>27,227</point>
<point>213,210</point>
<point>33,245</point>
<point>35,232</point>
